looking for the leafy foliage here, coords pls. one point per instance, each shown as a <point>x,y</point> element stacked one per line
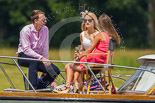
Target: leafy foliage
<point>130,17</point>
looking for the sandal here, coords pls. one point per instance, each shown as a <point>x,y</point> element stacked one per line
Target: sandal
<point>60,90</point>
<point>76,87</point>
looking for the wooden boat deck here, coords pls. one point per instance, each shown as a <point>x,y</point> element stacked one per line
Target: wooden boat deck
<point>126,96</point>
<point>73,97</point>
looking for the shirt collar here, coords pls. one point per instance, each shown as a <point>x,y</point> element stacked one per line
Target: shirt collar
<point>33,28</point>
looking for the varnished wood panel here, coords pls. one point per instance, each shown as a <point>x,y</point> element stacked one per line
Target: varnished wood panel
<point>86,96</point>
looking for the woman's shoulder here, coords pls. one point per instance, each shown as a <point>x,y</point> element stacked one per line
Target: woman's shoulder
<point>99,33</point>
<point>82,33</point>
<point>105,34</point>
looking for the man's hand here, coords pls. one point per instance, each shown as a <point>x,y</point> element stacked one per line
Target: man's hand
<point>46,63</point>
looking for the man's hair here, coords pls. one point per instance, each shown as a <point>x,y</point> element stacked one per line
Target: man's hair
<point>35,14</point>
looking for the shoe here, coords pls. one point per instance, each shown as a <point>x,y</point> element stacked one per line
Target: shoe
<point>57,90</point>
<point>60,90</point>
<point>76,87</point>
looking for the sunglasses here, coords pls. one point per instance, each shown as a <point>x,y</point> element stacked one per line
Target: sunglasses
<point>89,20</point>
<point>44,19</point>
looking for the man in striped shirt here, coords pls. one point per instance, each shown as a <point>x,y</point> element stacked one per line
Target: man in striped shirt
<point>34,43</point>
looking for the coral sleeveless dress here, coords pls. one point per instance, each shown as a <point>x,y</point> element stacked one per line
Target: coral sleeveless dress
<point>101,47</point>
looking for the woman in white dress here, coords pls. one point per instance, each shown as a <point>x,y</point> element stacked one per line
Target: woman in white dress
<point>73,72</point>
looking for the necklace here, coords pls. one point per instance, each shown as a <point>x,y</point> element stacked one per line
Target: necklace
<point>91,33</point>
<point>90,36</point>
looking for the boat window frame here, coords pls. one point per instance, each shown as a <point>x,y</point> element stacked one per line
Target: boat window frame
<point>133,77</point>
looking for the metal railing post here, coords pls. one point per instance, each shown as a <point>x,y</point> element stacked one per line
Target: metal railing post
<point>7,77</point>
<point>24,75</point>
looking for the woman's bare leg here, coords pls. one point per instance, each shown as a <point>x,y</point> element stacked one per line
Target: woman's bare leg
<point>80,81</point>
<point>77,70</point>
<point>76,75</point>
<point>72,70</point>
<point>69,79</point>
<point>69,74</point>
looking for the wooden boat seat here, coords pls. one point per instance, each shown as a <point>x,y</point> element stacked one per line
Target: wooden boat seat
<point>102,70</point>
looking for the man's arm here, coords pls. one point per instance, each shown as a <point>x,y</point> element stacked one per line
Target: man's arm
<point>46,46</point>
<point>46,49</point>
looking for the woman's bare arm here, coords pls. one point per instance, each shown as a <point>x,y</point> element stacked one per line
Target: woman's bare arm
<point>98,37</point>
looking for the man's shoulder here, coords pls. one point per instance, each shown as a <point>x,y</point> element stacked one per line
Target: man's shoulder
<point>45,27</point>
<point>45,30</point>
<point>27,28</point>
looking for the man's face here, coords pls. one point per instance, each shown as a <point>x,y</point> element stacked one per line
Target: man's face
<point>41,20</point>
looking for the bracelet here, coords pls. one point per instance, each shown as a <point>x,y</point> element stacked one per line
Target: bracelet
<point>42,58</point>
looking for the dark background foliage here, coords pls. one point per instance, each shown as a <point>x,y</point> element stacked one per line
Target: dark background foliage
<point>133,19</point>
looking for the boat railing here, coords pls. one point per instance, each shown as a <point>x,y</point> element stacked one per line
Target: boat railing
<point>58,61</point>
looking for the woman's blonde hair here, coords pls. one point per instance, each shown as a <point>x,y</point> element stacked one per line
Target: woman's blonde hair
<point>107,26</point>
<point>93,16</point>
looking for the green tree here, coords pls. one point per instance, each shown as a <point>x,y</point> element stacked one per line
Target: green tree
<point>151,22</point>
<point>131,18</point>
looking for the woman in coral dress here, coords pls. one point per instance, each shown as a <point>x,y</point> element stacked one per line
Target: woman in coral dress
<point>100,45</point>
